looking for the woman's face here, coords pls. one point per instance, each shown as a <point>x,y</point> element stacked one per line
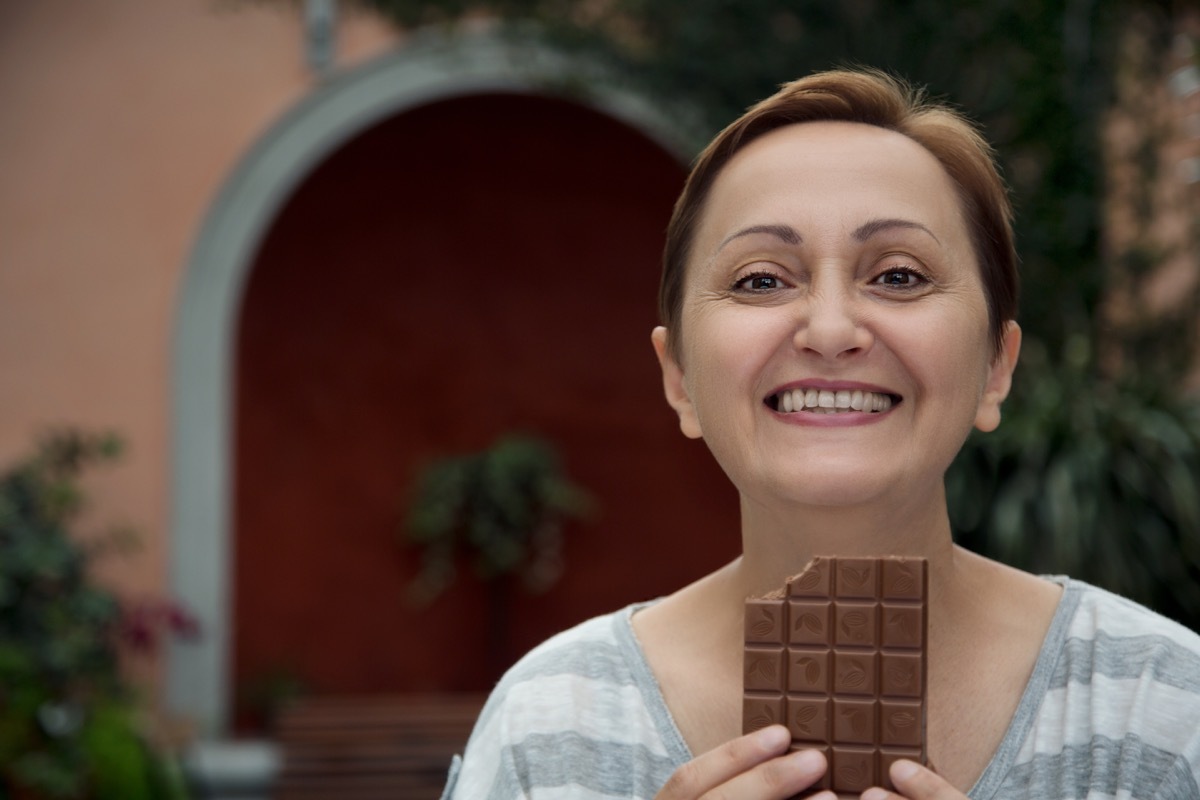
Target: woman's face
<point>832,266</point>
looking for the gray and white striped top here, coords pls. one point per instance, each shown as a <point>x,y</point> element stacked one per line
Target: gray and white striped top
<point>1112,710</point>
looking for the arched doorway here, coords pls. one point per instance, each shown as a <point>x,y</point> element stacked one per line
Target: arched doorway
<point>473,267</point>
<point>240,223</point>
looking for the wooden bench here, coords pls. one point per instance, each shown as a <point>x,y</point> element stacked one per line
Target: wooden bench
<point>371,748</point>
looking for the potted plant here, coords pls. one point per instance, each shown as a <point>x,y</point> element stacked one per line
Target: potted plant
<point>503,508</point>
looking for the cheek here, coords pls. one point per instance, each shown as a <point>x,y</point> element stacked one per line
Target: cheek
<point>737,343</point>
<point>950,358</point>
<point>725,356</point>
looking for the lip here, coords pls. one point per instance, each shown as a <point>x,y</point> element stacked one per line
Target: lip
<point>846,419</point>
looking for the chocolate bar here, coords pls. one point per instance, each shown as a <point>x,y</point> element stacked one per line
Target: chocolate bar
<point>839,657</point>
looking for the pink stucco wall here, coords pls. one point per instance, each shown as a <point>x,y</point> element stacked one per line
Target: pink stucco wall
<point>118,124</point>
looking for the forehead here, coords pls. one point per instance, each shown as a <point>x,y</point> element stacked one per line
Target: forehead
<point>827,178</point>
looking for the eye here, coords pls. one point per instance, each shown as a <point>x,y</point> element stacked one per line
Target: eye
<point>758,283</point>
<point>900,278</point>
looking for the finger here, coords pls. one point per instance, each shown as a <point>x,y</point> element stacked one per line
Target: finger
<point>776,779</point>
<point>717,766</point>
<point>915,783</point>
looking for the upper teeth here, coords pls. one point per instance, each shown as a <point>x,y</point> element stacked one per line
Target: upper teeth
<point>824,401</point>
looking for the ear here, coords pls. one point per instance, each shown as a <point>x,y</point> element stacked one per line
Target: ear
<point>674,385</point>
<point>999,380</point>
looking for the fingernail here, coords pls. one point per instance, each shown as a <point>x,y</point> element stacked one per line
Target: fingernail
<point>875,793</point>
<point>903,769</point>
<point>772,737</point>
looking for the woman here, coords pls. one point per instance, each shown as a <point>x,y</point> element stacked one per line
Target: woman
<point>838,305</point>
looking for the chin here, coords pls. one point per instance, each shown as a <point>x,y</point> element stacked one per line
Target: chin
<point>830,489</point>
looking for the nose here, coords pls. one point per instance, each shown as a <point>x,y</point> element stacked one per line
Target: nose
<point>830,325</point>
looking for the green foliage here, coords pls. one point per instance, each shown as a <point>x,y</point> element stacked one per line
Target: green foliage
<point>68,721</point>
<point>1095,479</point>
<point>504,505</point>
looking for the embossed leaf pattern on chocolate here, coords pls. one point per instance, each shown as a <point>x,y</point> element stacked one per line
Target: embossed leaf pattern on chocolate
<point>805,716</point>
<point>810,579</point>
<point>809,622</point>
<point>854,677</point>
<point>854,624</point>
<point>853,774</point>
<point>812,669</point>
<point>906,582</point>
<point>856,577</point>
<point>904,622</point>
<point>762,666</point>
<point>856,718</point>
<point>762,717</point>
<point>763,627</point>
<point>900,721</point>
<point>901,675</point>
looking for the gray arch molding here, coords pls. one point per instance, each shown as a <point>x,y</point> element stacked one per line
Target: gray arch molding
<point>427,69</point>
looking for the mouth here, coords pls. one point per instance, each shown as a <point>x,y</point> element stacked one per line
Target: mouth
<point>831,401</point>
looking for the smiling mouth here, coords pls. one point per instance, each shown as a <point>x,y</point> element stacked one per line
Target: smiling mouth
<point>828,401</point>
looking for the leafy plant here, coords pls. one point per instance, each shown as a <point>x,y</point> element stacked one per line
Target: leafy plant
<point>1098,479</point>
<point>69,722</point>
<point>503,507</point>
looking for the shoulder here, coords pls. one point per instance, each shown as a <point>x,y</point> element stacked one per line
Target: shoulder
<point>592,650</point>
<point>1113,638</point>
<point>578,710</point>
<point>1121,709</point>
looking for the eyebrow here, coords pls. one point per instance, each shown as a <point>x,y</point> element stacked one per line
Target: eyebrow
<point>785,232</point>
<point>869,229</point>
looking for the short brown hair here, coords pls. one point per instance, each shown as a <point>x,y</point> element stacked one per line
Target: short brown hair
<point>873,98</point>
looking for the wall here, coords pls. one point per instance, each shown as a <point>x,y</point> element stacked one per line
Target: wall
<point>118,123</point>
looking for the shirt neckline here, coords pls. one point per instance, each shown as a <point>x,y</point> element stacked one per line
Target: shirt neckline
<point>1001,761</point>
<point>647,683</point>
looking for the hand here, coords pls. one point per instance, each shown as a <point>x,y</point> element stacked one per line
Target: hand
<point>916,783</point>
<point>756,766</point>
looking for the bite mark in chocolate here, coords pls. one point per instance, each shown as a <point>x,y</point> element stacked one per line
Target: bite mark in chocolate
<point>839,657</point>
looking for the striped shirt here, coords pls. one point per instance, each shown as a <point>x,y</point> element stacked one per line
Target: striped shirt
<point>1112,710</point>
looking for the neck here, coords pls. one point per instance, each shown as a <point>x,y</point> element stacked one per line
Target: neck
<point>777,542</point>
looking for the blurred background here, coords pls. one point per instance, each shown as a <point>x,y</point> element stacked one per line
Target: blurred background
<point>324,339</point>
